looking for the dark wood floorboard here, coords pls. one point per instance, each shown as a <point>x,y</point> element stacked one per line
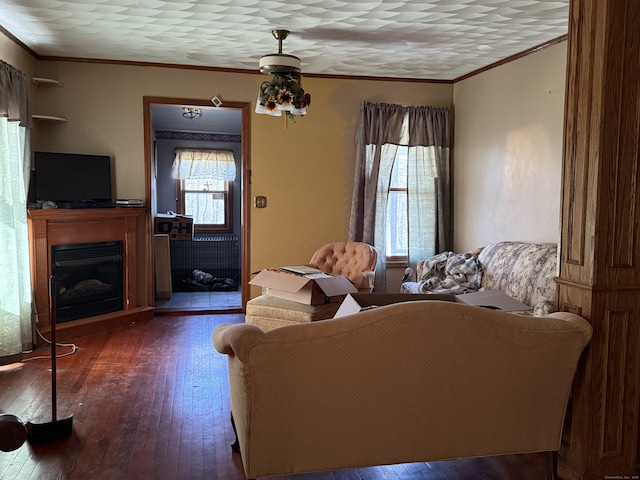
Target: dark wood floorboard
<point>150,401</point>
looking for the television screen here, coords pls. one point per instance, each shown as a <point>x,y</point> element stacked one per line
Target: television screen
<point>70,177</point>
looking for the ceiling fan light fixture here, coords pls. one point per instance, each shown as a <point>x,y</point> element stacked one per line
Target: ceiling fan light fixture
<point>284,92</point>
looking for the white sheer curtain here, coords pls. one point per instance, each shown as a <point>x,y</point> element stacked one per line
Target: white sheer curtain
<point>204,165</point>
<point>422,203</point>
<point>425,131</point>
<point>15,285</point>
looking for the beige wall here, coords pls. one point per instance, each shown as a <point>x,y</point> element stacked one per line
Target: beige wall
<point>13,54</point>
<point>305,171</point>
<point>507,153</point>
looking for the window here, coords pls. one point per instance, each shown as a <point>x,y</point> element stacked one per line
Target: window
<point>397,231</point>
<point>401,194</point>
<point>209,202</point>
<point>205,180</point>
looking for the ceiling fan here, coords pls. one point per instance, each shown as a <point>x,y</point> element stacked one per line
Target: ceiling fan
<point>280,63</point>
<point>284,92</point>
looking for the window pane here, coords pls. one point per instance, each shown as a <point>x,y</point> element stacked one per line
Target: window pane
<point>198,184</point>
<point>399,172</point>
<point>397,231</point>
<point>397,222</point>
<point>206,208</point>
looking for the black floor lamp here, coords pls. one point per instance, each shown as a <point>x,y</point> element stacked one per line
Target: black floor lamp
<point>47,431</point>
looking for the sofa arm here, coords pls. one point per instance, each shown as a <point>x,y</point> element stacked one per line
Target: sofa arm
<point>543,308</point>
<point>236,339</point>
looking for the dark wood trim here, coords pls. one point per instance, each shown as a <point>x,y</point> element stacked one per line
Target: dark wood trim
<point>209,229</point>
<point>236,70</point>
<point>52,58</point>
<point>517,56</point>
<point>245,197</point>
<point>19,43</point>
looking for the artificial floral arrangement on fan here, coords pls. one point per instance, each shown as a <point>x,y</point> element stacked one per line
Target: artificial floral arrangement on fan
<point>284,93</point>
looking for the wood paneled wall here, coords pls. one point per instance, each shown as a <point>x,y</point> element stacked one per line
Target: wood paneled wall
<point>600,251</point>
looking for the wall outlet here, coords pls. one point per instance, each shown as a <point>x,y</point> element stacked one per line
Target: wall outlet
<point>260,201</point>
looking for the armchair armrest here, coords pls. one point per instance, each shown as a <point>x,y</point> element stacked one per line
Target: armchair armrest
<point>365,282</point>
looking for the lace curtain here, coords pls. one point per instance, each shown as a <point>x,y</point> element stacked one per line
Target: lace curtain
<point>15,285</point>
<point>425,131</point>
<point>204,165</point>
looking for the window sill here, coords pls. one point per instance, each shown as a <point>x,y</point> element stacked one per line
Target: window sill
<point>397,262</point>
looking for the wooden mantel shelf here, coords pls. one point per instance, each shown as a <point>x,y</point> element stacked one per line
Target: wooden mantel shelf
<point>49,227</point>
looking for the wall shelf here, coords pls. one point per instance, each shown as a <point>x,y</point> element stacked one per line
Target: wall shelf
<point>46,81</point>
<point>48,117</point>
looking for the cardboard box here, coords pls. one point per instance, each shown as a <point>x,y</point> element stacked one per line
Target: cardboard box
<point>495,299</point>
<point>178,227</point>
<point>309,289</point>
<point>357,302</point>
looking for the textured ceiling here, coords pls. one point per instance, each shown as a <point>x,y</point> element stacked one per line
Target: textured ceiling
<point>437,39</point>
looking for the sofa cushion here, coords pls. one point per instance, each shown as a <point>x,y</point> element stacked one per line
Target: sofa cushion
<point>524,271</point>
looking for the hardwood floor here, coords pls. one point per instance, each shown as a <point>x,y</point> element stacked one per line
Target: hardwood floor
<point>150,401</point>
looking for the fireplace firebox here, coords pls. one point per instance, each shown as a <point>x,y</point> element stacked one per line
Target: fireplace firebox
<point>88,279</point>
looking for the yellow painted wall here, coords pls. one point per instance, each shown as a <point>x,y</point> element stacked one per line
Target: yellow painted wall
<point>507,155</point>
<point>305,171</point>
<point>507,151</point>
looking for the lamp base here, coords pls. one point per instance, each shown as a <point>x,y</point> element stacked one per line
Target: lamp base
<point>13,433</point>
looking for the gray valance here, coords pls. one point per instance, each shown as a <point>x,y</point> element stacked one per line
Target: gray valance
<point>382,123</point>
<point>14,98</point>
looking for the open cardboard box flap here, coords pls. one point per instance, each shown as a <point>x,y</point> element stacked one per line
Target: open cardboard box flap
<point>356,302</point>
<point>311,289</point>
<point>280,280</point>
<point>494,299</point>
<point>335,285</point>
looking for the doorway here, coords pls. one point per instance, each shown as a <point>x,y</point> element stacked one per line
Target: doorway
<point>167,128</point>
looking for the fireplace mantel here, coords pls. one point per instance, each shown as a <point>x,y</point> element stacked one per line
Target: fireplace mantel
<point>74,226</point>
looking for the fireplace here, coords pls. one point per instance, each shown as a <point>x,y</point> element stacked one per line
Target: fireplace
<point>88,279</point>
<point>62,226</point>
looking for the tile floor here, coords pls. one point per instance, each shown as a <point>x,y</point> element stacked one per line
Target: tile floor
<point>202,300</point>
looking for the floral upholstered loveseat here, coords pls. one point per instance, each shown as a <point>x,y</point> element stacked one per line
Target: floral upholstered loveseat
<point>524,271</point>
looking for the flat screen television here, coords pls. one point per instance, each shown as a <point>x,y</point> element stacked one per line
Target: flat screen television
<point>71,179</point>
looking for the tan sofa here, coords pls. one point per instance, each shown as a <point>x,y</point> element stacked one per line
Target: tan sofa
<point>414,381</point>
